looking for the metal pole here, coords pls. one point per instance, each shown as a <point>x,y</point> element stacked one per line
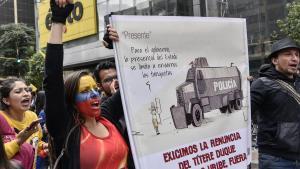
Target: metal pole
<point>16,11</point>
<point>37,35</point>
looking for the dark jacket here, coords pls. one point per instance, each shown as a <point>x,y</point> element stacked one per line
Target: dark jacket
<point>59,119</point>
<point>279,115</point>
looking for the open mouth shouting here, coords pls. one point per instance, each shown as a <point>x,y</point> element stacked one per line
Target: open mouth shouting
<point>88,103</point>
<point>25,102</point>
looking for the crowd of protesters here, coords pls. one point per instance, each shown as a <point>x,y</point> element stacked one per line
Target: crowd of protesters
<point>79,115</point>
<point>69,110</point>
<point>19,126</point>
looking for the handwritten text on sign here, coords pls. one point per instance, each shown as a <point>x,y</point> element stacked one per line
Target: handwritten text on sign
<point>152,61</point>
<point>203,158</point>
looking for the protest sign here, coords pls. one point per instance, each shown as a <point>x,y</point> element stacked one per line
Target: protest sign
<point>184,90</point>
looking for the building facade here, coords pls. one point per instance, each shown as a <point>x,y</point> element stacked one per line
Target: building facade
<point>25,12</point>
<point>261,17</point>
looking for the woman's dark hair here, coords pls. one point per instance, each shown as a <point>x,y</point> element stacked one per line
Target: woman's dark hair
<point>71,88</point>
<point>5,87</point>
<point>4,163</point>
<point>40,101</point>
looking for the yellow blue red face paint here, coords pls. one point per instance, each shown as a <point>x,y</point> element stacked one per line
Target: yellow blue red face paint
<point>88,103</point>
<point>86,83</point>
<point>87,98</point>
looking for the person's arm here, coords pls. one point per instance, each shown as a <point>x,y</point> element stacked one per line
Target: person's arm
<point>258,93</point>
<point>11,148</point>
<point>56,114</point>
<point>53,82</point>
<point>112,108</point>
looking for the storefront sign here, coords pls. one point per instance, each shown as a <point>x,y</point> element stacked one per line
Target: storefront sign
<point>82,21</point>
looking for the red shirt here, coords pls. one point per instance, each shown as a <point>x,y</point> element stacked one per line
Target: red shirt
<point>103,153</point>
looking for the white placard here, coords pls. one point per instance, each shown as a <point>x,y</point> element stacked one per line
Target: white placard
<point>177,75</point>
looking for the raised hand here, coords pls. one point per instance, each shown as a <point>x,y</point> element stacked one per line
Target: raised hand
<point>113,35</point>
<point>110,36</point>
<point>61,9</point>
<point>62,3</point>
<point>27,132</point>
<point>114,86</point>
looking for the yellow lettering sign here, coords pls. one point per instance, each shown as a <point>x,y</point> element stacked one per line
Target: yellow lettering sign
<point>82,21</point>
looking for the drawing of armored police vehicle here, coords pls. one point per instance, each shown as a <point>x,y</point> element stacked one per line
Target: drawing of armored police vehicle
<point>205,89</point>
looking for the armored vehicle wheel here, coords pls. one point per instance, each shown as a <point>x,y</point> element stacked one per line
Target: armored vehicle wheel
<point>197,115</point>
<point>223,109</point>
<point>230,107</point>
<point>237,104</point>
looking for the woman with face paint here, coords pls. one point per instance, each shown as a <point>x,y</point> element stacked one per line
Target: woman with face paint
<point>81,137</point>
<point>19,126</point>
